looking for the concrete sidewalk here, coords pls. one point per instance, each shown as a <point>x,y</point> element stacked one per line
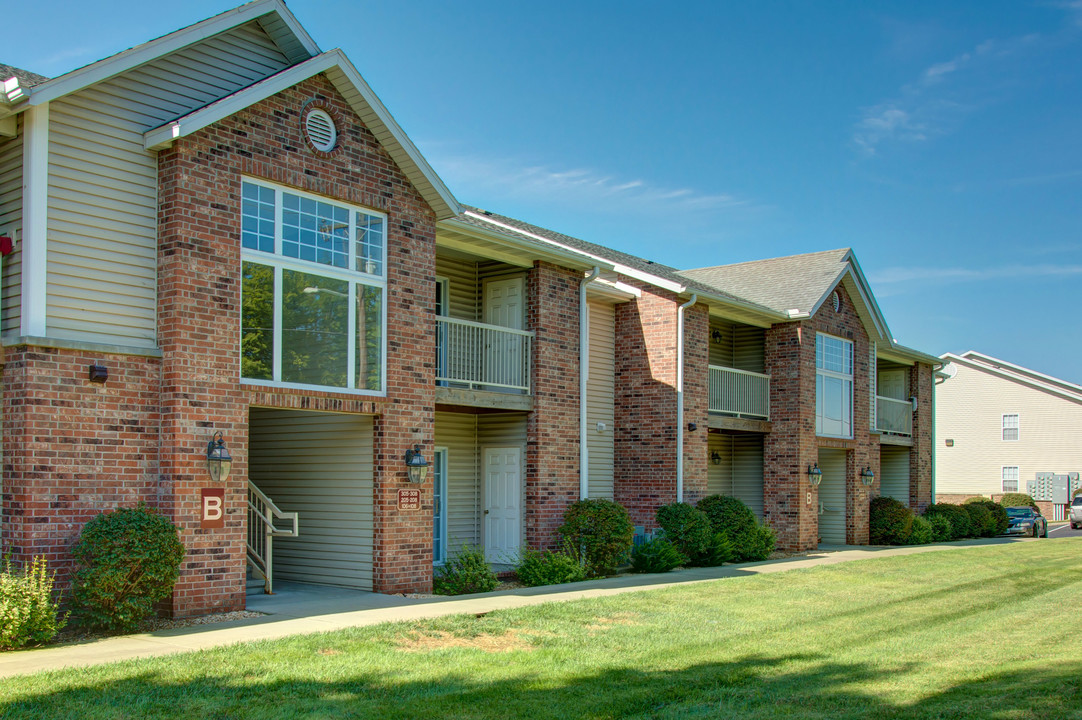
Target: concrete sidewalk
<point>300,609</point>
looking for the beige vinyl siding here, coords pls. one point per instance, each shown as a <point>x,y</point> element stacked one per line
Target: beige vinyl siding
<point>969,410</point>
<point>894,473</point>
<point>11,219</point>
<point>458,433</point>
<point>600,394</point>
<point>502,430</point>
<point>740,473</point>
<point>832,497</point>
<point>741,346</point>
<point>462,292</point>
<point>319,465</point>
<point>103,185</point>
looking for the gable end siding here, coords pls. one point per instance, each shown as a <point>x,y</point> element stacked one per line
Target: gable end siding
<point>11,218</point>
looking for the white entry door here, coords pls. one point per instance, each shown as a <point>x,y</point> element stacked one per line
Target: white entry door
<point>503,503</point>
<point>504,359</point>
<point>503,303</point>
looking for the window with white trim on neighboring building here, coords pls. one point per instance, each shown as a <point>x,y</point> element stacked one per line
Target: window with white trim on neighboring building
<point>1010,427</point>
<point>313,284</point>
<point>1010,479</point>
<point>833,386</point>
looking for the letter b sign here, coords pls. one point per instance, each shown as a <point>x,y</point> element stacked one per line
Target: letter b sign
<point>213,504</point>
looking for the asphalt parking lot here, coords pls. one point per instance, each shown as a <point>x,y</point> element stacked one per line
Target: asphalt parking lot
<point>1064,530</point>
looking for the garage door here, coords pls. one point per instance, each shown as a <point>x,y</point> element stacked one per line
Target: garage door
<point>318,465</point>
<point>894,473</point>
<point>832,497</point>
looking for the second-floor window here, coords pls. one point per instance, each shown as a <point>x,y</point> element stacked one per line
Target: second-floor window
<point>1010,479</point>
<point>1010,427</point>
<point>833,386</point>
<point>312,290</point>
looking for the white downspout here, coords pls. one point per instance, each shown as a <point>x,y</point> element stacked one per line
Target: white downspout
<point>584,373</point>
<point>680,396</point>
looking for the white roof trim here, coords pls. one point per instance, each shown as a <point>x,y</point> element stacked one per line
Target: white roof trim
<point>612,290</point>
<point>163,136</point>
<point>133,57</point>
<point>1009,373</point>
<point>853,267</point>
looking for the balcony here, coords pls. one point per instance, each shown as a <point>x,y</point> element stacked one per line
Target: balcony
<point>893,416</point>
<point>476,356</point>
<point>739,393</point>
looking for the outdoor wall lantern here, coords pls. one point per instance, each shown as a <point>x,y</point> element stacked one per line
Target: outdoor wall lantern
<point>97,373</point>
<point>219,462</point>
<point>715,335</point>
<point>815,475</point>
<point>416,465</point>
<point>715,457</point>
<point>867,476</point>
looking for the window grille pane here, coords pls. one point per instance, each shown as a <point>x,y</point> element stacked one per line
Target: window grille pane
<point>1010,479</point>
<point>1010,427</point>
<point>370,236</point>
<point>315,231</point>
<point>257,217</point>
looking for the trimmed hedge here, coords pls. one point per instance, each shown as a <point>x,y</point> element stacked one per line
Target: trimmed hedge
<point>600,531</point>
<point>999,515</point>
<point>942,530</point>
<point>1017,500</point>
<point>922,533</point>
<point>890,522</point>
<point>690,531</point>
<point>961,524</point>
<point>984,525</point>
<point>748,539</point>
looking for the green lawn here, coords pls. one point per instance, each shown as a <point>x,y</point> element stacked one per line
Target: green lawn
<point>938,635</point>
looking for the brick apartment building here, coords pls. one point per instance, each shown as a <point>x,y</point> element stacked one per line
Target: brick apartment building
<point>224,231</point>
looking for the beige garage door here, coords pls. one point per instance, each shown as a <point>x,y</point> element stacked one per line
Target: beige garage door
<point>832,497</point>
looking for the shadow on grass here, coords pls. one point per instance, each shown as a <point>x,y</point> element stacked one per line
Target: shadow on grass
<point>798,686</point>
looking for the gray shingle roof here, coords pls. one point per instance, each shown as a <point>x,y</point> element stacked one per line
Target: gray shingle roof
<point>26,78</point>
<point>647,266</point>
<point>795,282</point>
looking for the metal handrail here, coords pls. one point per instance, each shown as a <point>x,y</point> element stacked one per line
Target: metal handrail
<point>482,356</point>
<point>262,531</point>
<point>742,393</point>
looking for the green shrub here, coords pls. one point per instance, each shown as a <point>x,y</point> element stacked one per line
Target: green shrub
<point>548,567</point>
<point>28,613</point>
<point>984,525</point>
<point>737,523</point>
<point>999,515</point>
<point>466,572</point>
<point>974,499</point>
<point>890,522</point>
<point>656,556</point>
<point>600,531</point>
<point>689,530</point>
<point>942,530</point>
<point>1017,500</point>
<point>923,532</point>
<point>130,559</point>
<point>961,525</point>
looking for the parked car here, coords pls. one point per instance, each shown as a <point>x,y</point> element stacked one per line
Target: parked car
<point>1076,512</point>
<point>1026,521</point>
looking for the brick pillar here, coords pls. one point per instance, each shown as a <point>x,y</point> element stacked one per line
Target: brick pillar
<point>790,504</point>
<point>696,400</point>
<point>403,538</point>
<point>921,386</point>
<point>645,405</point>
<point>552,428</point>
<point>198,317</point>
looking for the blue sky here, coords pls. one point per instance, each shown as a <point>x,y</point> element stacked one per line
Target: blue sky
<point>941,141</point>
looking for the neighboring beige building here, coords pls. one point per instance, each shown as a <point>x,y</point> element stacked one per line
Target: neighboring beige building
<point>1000,427</point>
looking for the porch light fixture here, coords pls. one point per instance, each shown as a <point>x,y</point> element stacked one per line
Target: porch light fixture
<point>715,335</point>
<point>815,475</point>
<point>416,465</point>
<point>219,461</point>
<point>97,373</point>
<point>715,457</point>
<point>867,476</point>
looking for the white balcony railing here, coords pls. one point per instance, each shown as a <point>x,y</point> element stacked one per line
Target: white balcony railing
<point>482,357</point>
<point>739,392</point>
<point>893,416</point>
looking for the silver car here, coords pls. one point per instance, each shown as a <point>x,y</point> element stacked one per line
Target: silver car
<point>1076,512</point>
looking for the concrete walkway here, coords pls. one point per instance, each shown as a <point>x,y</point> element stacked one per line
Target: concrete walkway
<point>300,609</point>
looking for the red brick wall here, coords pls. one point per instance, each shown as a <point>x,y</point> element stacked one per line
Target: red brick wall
<point>552,428</point>
<point>72,448</point>
<point>921,384</point>
<point>199,315</point>
<point>696,400</point>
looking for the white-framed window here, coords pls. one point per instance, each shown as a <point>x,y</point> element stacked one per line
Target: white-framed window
<point>313,284</point>
<point>1010,479</point>
<point>439,506</point>
<point>1010,427</point>
<point>833,386</point>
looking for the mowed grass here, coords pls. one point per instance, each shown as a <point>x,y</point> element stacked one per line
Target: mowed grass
<point>949,634</point>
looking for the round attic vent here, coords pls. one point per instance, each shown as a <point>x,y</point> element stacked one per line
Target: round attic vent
<point>836,301</point>
<point>320,129</point>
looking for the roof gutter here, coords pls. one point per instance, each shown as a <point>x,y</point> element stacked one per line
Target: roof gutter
<point>584,375</point>
<point>680,396</point>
